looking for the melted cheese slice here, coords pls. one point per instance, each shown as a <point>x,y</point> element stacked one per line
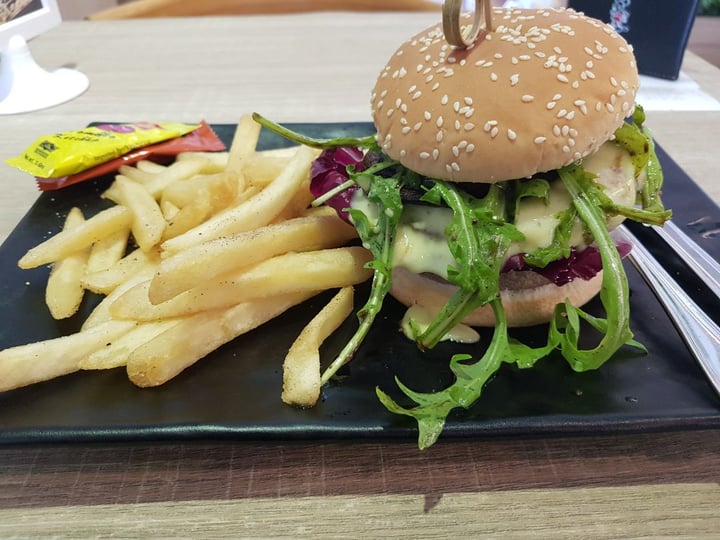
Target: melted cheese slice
<point>421,245</point>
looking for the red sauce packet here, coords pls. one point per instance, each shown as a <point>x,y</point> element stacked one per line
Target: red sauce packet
<point>203,139</point>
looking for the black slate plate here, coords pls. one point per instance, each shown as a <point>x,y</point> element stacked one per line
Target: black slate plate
<point>234,392</point>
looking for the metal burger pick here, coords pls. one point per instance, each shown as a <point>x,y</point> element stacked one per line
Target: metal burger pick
<point>463,36</point>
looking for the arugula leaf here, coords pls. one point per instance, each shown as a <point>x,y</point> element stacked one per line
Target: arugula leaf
<point>614,294</point>
<point>379,238</point>
<point>361,142</point>
<point>637,140</point>
<point>432,409</point>
<point>534,187</point>
<point>478,238</point>
<point>560,247</point>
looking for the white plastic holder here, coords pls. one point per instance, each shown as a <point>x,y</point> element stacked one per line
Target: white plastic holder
<point>25,86</point>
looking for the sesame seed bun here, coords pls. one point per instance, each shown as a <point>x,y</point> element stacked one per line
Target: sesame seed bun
<point>545,88</point>
<point>526,303</point>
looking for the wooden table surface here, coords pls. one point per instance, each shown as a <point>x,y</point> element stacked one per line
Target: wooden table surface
<point>320,67</point>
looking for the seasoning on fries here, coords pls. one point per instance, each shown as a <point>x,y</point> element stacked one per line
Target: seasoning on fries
<point>192,255</point>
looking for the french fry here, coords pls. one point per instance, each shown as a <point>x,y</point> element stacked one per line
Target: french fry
<point>242,146</point>
<point>285,274</point>
<point>44,360</point>
<point>165,356</point>
<point>100,226</point>
<point>187,217</point>
<point>301,368</point>
<point>105,281</point>
<point>188,268</point>
<point>148,223</point>
<point>177,172</point>
<point>262,167</point>
<point>108,251</point>
<point>157,181</point>
<point>64,291</point>
<point>217,161</point>
<point>149,166</point>
<point>255,212</point>
<point>117,353</point>
<point>101,312</point>
<point>217,188</point>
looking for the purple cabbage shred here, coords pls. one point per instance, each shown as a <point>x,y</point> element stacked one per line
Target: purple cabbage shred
<point>329,171</point>
<point>583,264</point>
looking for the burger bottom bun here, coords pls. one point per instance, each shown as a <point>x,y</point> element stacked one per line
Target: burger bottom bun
<point>526,303</point>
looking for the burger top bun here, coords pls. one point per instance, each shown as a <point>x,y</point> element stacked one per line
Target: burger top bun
<point>543,89</point>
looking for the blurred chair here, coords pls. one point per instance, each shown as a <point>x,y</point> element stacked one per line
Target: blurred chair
<point>194,8</point>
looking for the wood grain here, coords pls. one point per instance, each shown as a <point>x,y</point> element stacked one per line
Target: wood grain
<point>117,474</point>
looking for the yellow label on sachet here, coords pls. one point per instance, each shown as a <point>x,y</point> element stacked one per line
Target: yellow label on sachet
<point>67,153</point>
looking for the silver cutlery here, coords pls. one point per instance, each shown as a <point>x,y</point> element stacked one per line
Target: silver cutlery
<point>707,268</point>
<point>700,333</point>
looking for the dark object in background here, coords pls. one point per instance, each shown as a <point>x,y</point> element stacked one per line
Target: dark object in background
<point>658,31</point>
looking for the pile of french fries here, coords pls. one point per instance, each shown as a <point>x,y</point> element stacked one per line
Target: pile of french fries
<point>192,255</point>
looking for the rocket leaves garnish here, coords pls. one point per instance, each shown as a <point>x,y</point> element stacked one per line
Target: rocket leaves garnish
<point>379,237</point>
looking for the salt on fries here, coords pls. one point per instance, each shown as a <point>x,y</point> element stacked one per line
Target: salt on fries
<point>225,242</point>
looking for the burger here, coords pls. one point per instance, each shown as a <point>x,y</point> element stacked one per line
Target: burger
<point>489,191</point>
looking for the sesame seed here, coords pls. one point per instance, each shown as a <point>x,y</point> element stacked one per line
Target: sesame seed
<point>540,140</point>
<point>416,95</point>
<point>494,131</point>
<point>527,98</point>
<point>565,130</point>
<point>427,115</point>
<point>469,126</point>
<point>562,78</point>
<point>562,113</point>
<point>435,154</point>
<point>468,101</point>
<point>493,76</point>
<point>556,130</point>
<point>511,134</point>
<point>566,149</point>
<point>609,108</point>
<point>439,121</point>
<point>439,136</point>
<point>444,100</point>
<point>470,148</point>
<point>456,151</point>
<point>457,125</point>
<point>455,166</point>
<point>424,155</point>
<point>417,126</point>
<point>514,79</point>
<point>550,105</point>
<point>405,130</point>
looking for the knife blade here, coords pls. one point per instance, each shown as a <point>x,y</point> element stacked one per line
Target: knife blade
<point>700,333</point>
